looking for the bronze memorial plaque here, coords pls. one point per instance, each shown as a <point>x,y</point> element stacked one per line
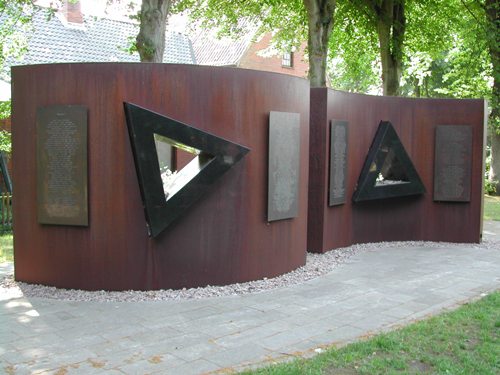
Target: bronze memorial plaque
<point>453,163</point>
<point>284,165</point>
<point>61,134</point>
<point>338,162</point>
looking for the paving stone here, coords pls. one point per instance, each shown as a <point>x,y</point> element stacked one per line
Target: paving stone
<point>303,349</point>
<point>284,339</point>
<point>156,364</point>
<point>17,369</point>
<point>339,335</point>
<point>199,366</point>
<point>375,291</point>
<point>110,347</point>
<point>117,358</point>
<point>398,312</point>
<point>197,351</point>
<point>53,369</point>
<point>145,337</point>
<point>255,334</point>
<point>373,323</point>
<point>247,353</point>
<point>174,344</point>
<point>219,330</point>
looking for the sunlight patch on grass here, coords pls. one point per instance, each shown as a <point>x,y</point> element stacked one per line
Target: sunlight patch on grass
<point>6,248</point>
<point>491,208</point>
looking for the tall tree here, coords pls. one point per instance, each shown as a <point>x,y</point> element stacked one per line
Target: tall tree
<point>492,11</point>
<point>391,26</point>
<point>150,41</point>
<point>411,39</point>
<point>388,19</point>
<point>354,57</point>
<point>320,16</point>
<point>472,66</point>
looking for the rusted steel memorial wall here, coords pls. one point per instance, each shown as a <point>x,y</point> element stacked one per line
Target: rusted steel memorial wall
<point>85,227</point>
<point>148,176</point>
<point>439,198</point>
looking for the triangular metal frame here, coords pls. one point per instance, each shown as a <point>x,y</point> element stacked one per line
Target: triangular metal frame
<point>217,157</point>
<point>386,139</point>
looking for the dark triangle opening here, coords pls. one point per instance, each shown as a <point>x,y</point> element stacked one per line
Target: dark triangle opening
<point>154,138</point>
<point>388,171</point>
<point>173,177</point>
<point>392,172</point>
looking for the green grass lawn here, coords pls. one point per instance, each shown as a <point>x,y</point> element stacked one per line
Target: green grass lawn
<point>491,208</point>
<point>6,247</point>
<point>465,341</point>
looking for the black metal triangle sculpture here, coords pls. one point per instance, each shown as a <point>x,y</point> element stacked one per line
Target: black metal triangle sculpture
<point>216,157</point>
<point>388,170</point>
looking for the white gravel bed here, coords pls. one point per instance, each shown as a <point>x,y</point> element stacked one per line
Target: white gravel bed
<point>316,265</point>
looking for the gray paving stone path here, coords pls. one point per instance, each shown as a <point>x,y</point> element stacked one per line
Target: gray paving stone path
<point>375,291</point>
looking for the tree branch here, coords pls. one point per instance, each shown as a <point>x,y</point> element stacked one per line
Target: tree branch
<point>470,11</point>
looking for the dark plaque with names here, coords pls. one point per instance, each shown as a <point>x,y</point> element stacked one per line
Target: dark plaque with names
<point>338,162</point>
<point>62,191</point>
<point>284,165</point>
<point>453,163</point>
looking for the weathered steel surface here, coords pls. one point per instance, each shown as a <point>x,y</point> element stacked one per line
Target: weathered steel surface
<point>223,238</point>
<point>452,164</point>
<point>405,218</point>
<point>61,155</point>
<point>284,165</point>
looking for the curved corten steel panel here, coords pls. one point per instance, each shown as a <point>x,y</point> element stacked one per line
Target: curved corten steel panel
<point>393,219</point>
<point>223,238</point>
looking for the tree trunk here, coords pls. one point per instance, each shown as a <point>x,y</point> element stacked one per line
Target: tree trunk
<point>494,128</point>
<point>150,41</point>
<point>320,14</point>
<point>494,174</point>
<point>391,26</point>
<point>492,8</point>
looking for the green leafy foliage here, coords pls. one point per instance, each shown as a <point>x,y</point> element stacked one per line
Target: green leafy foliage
<point>445,51</point>
<point>465,66</point>
<point>353,53</point>
<point>15,18</point>
<point>490,187</point>
<point>5,137</point>
<point>5,108</point>
<point>5,142</point>
<point>287,19</point>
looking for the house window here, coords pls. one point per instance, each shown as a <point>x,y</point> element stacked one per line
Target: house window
<point>287,60</point>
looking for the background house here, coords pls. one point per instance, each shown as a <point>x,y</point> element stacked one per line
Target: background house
<point>249,51</point>
<point>71,36</point>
